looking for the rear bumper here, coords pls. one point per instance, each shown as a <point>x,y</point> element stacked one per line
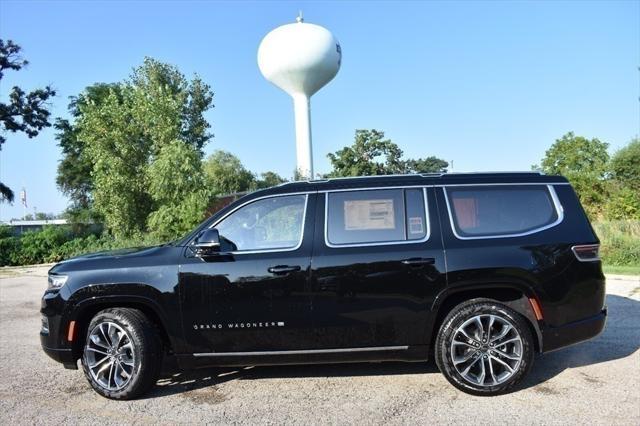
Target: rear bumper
<point>558,337</point>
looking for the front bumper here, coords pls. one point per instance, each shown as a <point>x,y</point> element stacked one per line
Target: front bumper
<point>558,337</point>
<point>53,331</point>
<point>64,356</point>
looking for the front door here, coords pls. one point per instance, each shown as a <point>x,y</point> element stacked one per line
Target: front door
<point>378,264</point>
<point>253,294</point>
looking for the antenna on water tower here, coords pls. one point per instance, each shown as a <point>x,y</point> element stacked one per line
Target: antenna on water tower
<point>300,59</point>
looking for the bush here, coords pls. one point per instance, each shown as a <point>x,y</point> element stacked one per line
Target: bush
<point>619,242</point>
<point>9,249</point>
<point>39,246</point>
<point>623,203</point>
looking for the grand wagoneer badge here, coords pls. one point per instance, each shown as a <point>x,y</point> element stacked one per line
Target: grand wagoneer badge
<point>231,325</point>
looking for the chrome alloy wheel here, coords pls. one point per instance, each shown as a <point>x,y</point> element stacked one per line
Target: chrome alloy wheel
<point>486,350</point>
<point>109,356</point>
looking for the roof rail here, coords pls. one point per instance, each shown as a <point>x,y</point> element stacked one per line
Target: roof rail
<point>416,175</point>
<point>375,177</point>
<point>502,172</point>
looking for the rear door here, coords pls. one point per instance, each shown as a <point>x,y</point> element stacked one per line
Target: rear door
<point>377,265</point>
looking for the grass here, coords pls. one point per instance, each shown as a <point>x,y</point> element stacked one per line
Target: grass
<point>619,246</point>
<point>621,270</point>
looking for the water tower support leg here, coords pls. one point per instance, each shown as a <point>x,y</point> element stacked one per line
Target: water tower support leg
<point>304,155</point>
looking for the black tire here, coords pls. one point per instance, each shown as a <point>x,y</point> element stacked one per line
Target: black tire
<point>468,313</point>
<point>145,353</point>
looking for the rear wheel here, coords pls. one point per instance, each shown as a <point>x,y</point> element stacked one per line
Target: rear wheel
<point>484,347</point>
<point>122,354</point>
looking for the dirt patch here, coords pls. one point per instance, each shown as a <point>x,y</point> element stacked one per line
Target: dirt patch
<point>590,379</point>
<point>76,389</point>
<point>209,395</point>
<point>545,390</point>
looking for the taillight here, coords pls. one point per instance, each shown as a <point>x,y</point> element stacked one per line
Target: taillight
<point>587,252</point>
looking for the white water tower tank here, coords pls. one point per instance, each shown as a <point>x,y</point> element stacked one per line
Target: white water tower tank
<point>300,59</point>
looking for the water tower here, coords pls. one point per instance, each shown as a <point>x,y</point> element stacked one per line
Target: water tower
<point>300,59</point>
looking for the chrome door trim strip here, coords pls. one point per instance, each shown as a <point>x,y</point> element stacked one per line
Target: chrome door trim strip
<point>303,352</point>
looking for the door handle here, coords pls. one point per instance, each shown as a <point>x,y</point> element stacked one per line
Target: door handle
<point>419,261</point>
<point>283,269</point>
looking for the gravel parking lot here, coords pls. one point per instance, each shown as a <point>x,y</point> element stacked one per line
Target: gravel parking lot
<point>597,382</point>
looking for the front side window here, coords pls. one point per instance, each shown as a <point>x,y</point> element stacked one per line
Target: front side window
<point>269,224</point>
<point>376,216</point>
<point>500,210</point>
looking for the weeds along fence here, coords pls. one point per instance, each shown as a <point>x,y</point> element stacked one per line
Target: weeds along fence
<point>619,242</point>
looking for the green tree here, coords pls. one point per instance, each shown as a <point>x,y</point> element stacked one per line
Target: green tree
<point>120,131</point>
<point>624,187</point>
<point>169,107</point>
<point>625,165</point>
<point>372,154</point>
<point>25,112</point>
<point>427,165</point>
<point>45,216</point>
<point>584,162</point>
<point>225,174</point>
<point>74,170</point>
<point>177,186</point>
<point>269,179</point>
<point>119,153</point>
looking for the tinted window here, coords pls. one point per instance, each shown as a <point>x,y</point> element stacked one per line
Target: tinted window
<point>375,216</point>
<point>272,223</point>
<point>500,210</point>
<point>416,223</point>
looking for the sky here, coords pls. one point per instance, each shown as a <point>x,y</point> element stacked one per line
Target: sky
<point>487,86</point>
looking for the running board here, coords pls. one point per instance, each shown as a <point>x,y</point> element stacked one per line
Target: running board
<point>303,352</point>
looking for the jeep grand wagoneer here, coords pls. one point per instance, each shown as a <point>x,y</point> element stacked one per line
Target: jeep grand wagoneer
<point>478,271</point>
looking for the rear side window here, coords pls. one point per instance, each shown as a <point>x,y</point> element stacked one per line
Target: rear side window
<point>376,216</point>
<point>500,211</point>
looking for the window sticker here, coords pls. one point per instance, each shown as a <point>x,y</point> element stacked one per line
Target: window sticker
<point>368,214</point>
<point>415,225</point>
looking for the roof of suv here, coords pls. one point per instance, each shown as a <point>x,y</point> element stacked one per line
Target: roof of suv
<point>415,179</point>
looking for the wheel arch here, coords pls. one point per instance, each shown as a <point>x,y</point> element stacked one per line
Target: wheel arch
<point>513,295</point>
<point>85,310</point>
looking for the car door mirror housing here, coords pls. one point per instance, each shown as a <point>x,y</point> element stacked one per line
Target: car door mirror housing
<point>208,242</point>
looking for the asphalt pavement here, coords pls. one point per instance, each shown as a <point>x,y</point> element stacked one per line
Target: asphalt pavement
<point>596,382</point>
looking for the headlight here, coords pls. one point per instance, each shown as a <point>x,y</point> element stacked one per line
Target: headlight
<point>56,281</point>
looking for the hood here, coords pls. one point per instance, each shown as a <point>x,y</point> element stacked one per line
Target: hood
<point>110,259</point>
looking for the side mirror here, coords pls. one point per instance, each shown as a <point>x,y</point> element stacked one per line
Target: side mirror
<point>208,242</point>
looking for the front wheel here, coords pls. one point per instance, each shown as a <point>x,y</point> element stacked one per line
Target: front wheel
<point>122,353</point>
<point>484,347</point>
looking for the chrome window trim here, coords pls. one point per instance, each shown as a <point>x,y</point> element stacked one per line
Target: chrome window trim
<point>303,352</point>
<point>554,199</point>
<point>274,250</point>
<point>366,188</point>
<point>383,243</point>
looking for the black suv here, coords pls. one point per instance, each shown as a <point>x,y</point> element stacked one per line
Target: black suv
<point>479,271</point>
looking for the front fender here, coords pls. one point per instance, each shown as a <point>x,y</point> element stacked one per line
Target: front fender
<point>162,307</point>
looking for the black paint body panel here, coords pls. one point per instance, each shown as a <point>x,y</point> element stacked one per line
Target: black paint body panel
<point>341,297</point>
